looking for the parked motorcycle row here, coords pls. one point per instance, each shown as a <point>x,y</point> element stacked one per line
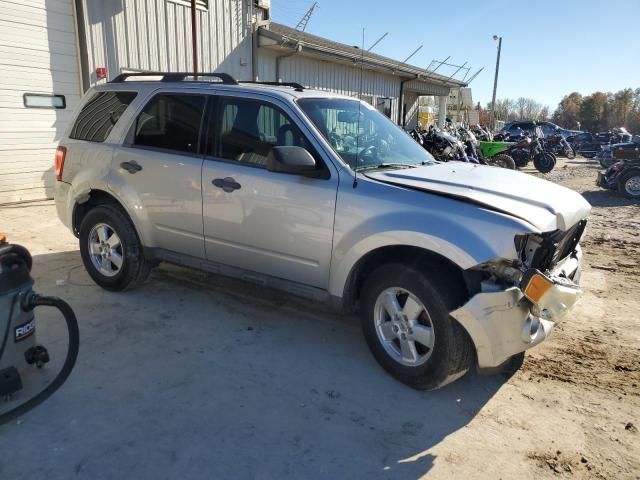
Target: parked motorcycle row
<point>513,147</point>
<point>478,145</point>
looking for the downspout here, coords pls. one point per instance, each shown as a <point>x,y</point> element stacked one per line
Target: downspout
<point>194,37</point>
<point>402,117</point>
<point>296,50</point>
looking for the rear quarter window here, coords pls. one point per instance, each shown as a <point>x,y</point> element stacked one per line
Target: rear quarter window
<point>100,114</point>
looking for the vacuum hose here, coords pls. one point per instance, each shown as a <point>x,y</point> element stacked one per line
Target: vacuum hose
<point>32,301</point>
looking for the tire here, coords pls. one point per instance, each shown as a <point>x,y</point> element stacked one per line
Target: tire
<point>451,353</point>
<point>570,152</point>
<point>102,223</point>
<point>502,160</point>
<point>544,162</point>
<point>629,183</point>
<point>588,154</point>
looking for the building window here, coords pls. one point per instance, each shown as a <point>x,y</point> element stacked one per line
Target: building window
<point>39,100</point>
<point>383,105</point>
<point>200,4</point>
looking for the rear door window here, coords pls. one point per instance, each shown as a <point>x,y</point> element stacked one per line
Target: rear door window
<point>100,114</point>
<point>171,121</point>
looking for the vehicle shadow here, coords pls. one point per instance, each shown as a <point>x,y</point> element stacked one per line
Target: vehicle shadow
<point>608,198</point>
<point>193,371</point>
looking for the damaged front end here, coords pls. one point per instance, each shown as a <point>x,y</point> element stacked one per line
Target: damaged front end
<point>516,303</point>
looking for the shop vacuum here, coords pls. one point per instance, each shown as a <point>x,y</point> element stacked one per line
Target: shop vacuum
<point>20,354</point>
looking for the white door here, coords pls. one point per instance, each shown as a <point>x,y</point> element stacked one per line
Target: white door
<point>39,59</point>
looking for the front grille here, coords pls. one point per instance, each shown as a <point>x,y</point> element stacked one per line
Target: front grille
<point>556,246</point>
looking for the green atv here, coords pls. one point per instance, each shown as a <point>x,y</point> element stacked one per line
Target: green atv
<point>493,154</point>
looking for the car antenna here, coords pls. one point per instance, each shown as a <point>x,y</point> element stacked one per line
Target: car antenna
<point>355,171</point>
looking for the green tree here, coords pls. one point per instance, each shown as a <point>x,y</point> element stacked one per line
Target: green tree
<point>567,114</point>
<point>592,112</point>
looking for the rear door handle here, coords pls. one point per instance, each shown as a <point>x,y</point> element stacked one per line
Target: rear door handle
<point>228,184</point>
<point>131,166</point>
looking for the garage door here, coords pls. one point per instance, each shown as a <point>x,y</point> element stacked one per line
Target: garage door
<point>39,89</point>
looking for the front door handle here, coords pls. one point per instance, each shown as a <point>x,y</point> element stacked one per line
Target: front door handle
<point>131,166</point>
<point>228,184</point>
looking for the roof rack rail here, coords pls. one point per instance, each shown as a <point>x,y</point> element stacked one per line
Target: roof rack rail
<point>295,85</point>
<point>175,76</point>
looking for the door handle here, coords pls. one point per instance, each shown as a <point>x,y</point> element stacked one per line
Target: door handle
<point>228,184</point>
<point>131,166</point>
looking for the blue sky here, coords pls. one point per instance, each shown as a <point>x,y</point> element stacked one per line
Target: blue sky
<point>549,48</point>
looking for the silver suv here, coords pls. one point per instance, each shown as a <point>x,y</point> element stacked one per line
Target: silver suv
<point>449,264</point>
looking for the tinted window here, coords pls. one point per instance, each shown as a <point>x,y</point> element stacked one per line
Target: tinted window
<point>246,130</point>
<point>170,122</point>
<point>99,115</point>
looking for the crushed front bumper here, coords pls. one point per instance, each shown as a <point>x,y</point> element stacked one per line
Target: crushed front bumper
<point>504,323</point>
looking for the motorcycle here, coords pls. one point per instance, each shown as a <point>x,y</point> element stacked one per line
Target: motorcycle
<point>476,153</point>
<point>623,176</point>
<point>443,146</point>
<point>532,148</point>
<point>590,145</point>
<point>559,146</point>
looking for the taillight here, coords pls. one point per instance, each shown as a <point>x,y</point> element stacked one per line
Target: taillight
<point>58,163</point>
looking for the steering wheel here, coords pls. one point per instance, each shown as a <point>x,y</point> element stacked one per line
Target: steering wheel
<point>334,138</point>
<point>369,152</point>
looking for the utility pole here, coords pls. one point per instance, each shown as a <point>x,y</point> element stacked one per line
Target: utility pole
<point>495,85</point>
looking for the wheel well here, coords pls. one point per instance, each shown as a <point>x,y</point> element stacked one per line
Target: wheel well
<point>96,198</point>
<point>440,269</point>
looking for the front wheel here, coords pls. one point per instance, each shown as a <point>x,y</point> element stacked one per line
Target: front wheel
<point>110,249</point>
<point>544,162</point>
<point>502,160</point>
<point>407,326</point>
<point>629,184</point>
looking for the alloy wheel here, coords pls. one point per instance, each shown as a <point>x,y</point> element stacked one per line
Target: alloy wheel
<point>403,326</point>
<point>105,250</point>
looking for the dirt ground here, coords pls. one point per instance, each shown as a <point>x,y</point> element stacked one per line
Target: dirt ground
<point>194,376</point>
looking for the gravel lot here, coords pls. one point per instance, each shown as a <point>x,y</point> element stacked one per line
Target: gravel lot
<point>194,376</point>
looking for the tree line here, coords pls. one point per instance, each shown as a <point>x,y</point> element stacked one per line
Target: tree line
<point>598,112</point>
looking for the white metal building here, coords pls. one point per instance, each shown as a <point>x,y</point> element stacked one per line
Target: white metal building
<point>53,50</point>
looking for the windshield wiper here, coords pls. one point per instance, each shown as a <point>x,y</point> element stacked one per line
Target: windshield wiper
<point>385,165</point>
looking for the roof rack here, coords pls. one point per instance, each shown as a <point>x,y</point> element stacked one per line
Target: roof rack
<point>175,76</point>
<point>296,86</point>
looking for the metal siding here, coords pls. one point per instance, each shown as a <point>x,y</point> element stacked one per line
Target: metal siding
<point>37,55</point>
<point>425,88</point>
<point>156,35</point>
<point>329,76</point>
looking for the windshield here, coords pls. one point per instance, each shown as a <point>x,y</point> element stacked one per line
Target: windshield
<point>362,136</point>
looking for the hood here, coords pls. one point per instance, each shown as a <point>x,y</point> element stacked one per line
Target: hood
<point>543,204</point>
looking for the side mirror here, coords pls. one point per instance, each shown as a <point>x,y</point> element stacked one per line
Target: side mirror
<point>292,160</point>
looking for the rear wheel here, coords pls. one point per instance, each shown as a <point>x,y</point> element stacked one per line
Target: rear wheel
<point>110,249</point>
<point>629,184</point>
<point>569,152</point>
<point>544,162</point>
<point>502,160</point>
<point>588,154</point>
<point>406,323</point>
